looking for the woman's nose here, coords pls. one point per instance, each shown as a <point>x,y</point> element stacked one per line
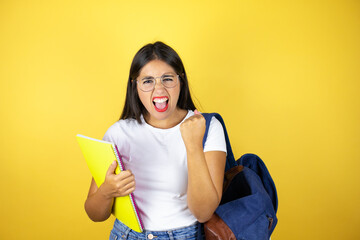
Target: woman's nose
<point>158,83</point>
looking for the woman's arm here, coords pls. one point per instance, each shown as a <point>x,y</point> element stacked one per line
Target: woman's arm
<point>205,182</point>
<point>205,170</point>
<point>98,204</point>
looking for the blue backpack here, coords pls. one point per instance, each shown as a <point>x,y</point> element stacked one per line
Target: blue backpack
<point>249,203</point>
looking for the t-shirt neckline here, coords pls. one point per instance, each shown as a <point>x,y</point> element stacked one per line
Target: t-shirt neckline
<point>165,129</point>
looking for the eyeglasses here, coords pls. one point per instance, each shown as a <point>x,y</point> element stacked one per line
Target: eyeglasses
<point>168,80</point>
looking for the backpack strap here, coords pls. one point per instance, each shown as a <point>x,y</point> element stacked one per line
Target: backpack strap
<point>230,160</point>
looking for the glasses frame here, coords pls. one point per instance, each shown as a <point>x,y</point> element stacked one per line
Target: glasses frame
<point>161,81</point>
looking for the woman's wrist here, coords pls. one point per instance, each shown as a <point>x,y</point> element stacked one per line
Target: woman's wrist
<point>194,148</point>
<point>103,193</point>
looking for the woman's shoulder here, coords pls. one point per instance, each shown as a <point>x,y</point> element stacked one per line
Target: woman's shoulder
<point>120,127</point>
<point>215,140</point>
<point>125,124</point>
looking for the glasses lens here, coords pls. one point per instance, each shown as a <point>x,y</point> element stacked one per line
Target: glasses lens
<point>147,84</point>
<point>169,80</point>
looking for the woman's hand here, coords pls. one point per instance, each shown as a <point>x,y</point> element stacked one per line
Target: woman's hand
<point>117,185</point>
<point>100,200</point>
<point>192,131</point>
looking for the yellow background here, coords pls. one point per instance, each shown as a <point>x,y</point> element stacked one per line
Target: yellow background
<point>284,75</point>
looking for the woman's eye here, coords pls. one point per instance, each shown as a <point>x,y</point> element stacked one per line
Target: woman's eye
<point>148,81</point>
<point>168,79</point>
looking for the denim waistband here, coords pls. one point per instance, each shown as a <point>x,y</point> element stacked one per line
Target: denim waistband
<point>124,232</point>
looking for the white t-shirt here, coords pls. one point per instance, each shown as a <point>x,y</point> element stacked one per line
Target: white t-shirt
<point>157,158</point>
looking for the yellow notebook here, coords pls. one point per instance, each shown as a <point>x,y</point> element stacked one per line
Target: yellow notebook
<point>99,155</point>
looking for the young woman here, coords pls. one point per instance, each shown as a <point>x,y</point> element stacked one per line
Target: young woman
<point>176,181</point>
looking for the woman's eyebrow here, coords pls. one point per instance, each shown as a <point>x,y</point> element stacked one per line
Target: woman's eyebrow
<point>169,74</point>
<point>147,77</point>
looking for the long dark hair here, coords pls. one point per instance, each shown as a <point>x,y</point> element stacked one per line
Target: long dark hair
<point>133,107</point>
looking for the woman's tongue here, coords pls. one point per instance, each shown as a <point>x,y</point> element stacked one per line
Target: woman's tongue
<point>160,106</point>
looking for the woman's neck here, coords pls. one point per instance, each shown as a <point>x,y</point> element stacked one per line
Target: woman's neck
<point>169,122</point>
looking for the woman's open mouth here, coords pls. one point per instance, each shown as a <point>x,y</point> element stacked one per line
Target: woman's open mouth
<point>160,103</point>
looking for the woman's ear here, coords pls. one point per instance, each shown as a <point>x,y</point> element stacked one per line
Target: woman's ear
<point>182,75</point>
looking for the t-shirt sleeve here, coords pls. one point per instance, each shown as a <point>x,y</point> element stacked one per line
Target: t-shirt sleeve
<point>215,140</point>
<point>110,134</point>
<point>115,134</point>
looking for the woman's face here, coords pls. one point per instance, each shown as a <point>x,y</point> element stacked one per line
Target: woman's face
<point>161,102</point>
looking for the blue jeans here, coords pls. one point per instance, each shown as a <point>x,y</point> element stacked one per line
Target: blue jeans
<point>121,231</point>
